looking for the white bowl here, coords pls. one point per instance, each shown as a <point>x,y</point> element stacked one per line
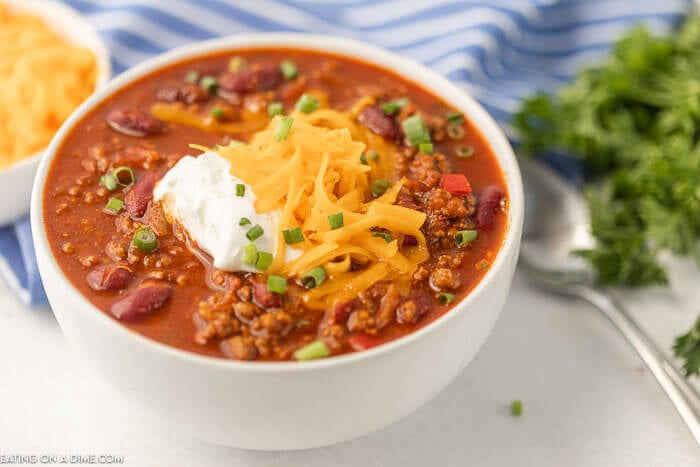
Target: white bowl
<point>287,405</point>
<point>16,180</point>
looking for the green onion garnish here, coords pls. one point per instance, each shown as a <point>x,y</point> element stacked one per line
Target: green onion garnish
<point>145,239</point>
<point>314,278</point>
<point>425,148</point>
<point>275,108</point>
<point>192,76</point>
<point>250,254</point>
<point>455,118</point>
<point>455,131</point>
<point>307,103</point>
<point>217,112</point>
<point>289,69</point>
<point>292,236</point>
<point>384,235</point>
<point>415,130</point>
<point>303,323</point>
<point>465,237</point>
<point>276,284</point>
<point>283,128</point>
<point>237,64</point>
<point>109,181</point>
<point>240,189</point>
<point>390,108</point>
<point>516,408</point>
<point>336,220</point>
<point>465,152</point>
<point>124,176</point>
<point>379,187</point>
<point>255,232</point>
<point>264,260</point>
<point>113,206</point>
<point>373,155</point>
<point>244,221</point>
<point>209,84</point>
<point>363,158</point>
<point>445,298</point>
<point>316,349</point>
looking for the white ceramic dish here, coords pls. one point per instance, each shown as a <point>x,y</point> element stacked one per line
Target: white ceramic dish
<point>16,180</point>
<point>286,405</point>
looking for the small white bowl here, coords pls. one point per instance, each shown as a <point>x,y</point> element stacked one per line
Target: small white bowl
<point>286,405</point>
<point>16,180</point>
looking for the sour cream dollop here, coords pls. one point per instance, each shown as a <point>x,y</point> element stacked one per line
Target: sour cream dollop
<point>200,194</point>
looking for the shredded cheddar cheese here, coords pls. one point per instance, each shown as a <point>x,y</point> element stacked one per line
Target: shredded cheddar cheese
<point>317,172</point>
<point>42,80</point>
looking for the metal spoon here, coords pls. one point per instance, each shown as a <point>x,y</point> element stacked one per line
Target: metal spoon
<point>557,223</point>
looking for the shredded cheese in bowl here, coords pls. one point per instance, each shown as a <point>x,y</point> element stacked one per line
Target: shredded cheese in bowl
<point>315,175</point>
<point>42,80</point>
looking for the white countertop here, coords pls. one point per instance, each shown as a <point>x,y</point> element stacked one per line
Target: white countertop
<point>587,399</point>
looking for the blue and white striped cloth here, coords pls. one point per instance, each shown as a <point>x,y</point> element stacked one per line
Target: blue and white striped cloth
<point>500,51</point>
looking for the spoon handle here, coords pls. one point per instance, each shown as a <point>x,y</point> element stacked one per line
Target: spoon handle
<point>683,396</point>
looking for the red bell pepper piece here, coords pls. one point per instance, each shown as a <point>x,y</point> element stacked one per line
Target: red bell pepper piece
<point>457,184</point>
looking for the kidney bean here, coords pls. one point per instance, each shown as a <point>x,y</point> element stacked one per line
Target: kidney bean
<point>378,122</point>
<point>489,202</point>
<point>110,277</point>
<point>132,122</point>
<point>147,298</point>
<point>341,312</point>
<point>263,297</point>
<point>387,306</point>
<point>137,199</point>
<point>244,81</point>
<point>412,309</point>
<point>185,92</point>
<point>409,240</point>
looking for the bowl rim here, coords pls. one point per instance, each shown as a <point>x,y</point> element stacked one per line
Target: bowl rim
<point>332,45</point>
<point>53,8</point>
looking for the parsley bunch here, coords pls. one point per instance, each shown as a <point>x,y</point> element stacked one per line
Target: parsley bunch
<point>635,123</point>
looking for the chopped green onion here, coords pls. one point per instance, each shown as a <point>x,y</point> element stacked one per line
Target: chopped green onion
<point>276,284</point>
<point>250,254</point>
<point>289,69</point>
<point>390,108</point>
<point>292,236</point>
<point>303,323</point>
<point>240,189</point>
<point>465,152</point>
<point>363,158</point>
<point>264,260</point>
<point>379,187</point>
<point>336,220</point>
<point>131,178</point>
<point>316,349</point>
<point>516,408</point>
<point>113,206</point>
<point>314,278</point>
<point>445,298</point>
<point>192,76</point>
<point>307,103</point>
<point>455,118</point>
<point>209,84</point>
<point>244,221</point>
<point>465,237</point>
<point>216,147</point>
<point>425,148</point>
<point>275,108</point>
<point>237,64</point>
<point>109,181</point>
<point>255,232</point>
<point>373,155</point>
<point>283,128</point>
<point>217,112</point>
<point>145,239</point>
<point>384,235</point>
<point>455,131</point>
<point>415,130</point>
